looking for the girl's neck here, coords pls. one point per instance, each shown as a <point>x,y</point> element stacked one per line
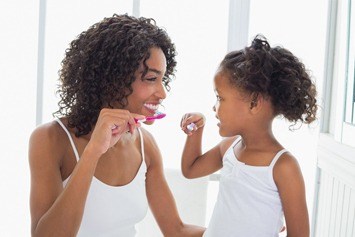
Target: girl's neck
<point>262,139</point>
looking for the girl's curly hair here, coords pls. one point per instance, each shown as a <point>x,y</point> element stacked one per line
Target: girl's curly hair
<point>99,65</point>
<point>274,73</point>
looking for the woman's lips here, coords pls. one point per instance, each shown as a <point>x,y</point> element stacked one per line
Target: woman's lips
<point>152,107</point>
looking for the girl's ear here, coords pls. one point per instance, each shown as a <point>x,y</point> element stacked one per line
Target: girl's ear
<point>256,102</point>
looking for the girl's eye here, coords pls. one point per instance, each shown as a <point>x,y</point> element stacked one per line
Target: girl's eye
<point>218,97</point>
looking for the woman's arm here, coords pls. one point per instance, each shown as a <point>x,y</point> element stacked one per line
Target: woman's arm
<point>56,211</point>
<point>289,181</point>
<point>160,198</point>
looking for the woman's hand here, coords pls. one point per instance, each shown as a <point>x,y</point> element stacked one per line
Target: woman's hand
<point>191,122</point>
<point>109,128</point>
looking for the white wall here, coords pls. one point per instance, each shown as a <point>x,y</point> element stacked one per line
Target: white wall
<point>18,60</point>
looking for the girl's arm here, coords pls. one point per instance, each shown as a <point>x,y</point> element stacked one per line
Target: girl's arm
<point>289,181</point>
<point>194,164</point>
<point>160,198</point>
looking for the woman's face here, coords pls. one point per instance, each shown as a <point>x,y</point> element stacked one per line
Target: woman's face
<point>148,91</point>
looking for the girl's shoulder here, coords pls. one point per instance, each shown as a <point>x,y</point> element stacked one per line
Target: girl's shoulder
<point>286,160</point>
<point>226,143</point>
<point>286,166</point>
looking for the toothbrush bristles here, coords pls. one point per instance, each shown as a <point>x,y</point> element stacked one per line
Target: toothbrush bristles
<point>158,115</point>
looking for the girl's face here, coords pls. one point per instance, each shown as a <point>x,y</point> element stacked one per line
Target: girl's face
<point>148,91</point>
<point>232,107</point>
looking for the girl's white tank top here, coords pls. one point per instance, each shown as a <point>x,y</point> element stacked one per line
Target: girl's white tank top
<point>248,202</point>
<point>113,210</point>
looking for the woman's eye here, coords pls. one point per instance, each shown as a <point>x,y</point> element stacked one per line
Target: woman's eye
<point>218,97</point>
<point>151,79</point>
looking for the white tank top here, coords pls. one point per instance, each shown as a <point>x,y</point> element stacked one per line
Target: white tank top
<point>248,202</point>
<point>113,210</point>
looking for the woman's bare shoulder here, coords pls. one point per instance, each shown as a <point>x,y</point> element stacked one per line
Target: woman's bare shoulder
<point>151,149</point>
<point>48,138</point>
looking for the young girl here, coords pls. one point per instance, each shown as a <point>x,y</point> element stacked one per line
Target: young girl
<point>261,182</point>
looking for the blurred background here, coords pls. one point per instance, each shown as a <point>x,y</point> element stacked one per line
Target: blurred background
<point>35,34</point>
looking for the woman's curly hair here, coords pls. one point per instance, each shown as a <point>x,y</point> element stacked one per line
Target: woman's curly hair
<point>99,65</point>
<point>274,73</point>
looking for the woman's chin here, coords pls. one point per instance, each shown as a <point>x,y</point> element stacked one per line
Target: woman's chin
<point>149,122</point>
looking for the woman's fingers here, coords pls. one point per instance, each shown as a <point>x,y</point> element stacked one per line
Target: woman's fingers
<point>118,121</point>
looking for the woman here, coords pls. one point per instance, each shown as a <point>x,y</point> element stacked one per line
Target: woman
<point>94,170</point>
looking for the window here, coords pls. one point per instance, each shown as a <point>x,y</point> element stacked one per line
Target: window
<point>336,147</point>
<point>338,107</point>
<point>348,130</point>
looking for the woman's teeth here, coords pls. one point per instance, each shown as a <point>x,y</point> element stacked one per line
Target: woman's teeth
<point>152,106</point>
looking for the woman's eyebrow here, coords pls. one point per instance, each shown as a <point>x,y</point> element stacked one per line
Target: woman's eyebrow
<point>155,71</point>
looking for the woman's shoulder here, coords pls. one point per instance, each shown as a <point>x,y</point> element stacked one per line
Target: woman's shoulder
<point>48,131</point>
<point>148,137</point>
<point>48,137</point>
<point>151,149</point>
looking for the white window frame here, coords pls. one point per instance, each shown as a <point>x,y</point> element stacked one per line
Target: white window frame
<point>336,136</point>
<point>348,130</point>
<point>338,69</point>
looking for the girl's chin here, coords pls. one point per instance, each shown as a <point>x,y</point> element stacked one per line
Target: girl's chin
<point>220,131</point>
<point>224,133</point>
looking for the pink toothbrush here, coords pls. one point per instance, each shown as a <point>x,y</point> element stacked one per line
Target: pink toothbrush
<point>158,115</point>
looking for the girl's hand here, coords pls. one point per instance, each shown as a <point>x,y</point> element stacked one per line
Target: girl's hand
<point>109,128</point>
<point>191,122</point>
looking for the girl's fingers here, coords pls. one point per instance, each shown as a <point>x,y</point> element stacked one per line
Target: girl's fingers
<point>191,127</point>
<point>192,122</point>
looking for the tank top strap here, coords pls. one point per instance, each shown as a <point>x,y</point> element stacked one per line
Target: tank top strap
<point>276,158</point>
<point>76,151</point>
<point>70,138</point>
<point>236,141</point>
<point>142,143</point>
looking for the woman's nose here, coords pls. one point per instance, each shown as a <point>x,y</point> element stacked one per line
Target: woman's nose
<point>161,91</point>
